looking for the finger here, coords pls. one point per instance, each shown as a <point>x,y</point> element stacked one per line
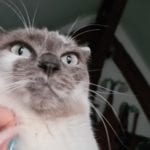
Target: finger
<point>7,118</point>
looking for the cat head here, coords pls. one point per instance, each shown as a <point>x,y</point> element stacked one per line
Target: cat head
<point>48,67</point>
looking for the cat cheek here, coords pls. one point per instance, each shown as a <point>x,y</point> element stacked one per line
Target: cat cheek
<point>7,61</point>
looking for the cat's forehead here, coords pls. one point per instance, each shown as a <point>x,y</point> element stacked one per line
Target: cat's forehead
<point>40,37</point>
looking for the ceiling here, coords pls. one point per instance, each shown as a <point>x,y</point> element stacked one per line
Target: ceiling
<point>50,13</point>
<point>57,13</point>
<point>136,22</point>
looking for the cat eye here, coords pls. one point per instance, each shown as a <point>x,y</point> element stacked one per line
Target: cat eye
<point>21,50</point>
<point>70,59</point>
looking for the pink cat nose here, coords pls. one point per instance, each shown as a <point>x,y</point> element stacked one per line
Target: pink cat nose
<point>49,63</point>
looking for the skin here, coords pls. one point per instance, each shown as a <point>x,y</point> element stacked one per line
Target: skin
<point>7,120</point>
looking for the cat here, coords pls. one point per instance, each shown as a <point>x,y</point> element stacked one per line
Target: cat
<point>44,80</point>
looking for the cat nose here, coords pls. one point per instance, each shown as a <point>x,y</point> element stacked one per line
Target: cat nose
<point>49,63</point>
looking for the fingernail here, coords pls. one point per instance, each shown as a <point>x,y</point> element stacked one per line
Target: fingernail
<point>12,144</point>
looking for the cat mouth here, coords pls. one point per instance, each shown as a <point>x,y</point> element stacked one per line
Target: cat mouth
<point>38,83</point>
<point>50,87</point>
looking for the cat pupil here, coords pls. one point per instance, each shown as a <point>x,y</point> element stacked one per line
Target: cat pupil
<point>69,59</point>
<point>20,51</point>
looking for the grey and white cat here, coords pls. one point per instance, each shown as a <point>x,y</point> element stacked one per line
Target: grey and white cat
<point>44,80</point>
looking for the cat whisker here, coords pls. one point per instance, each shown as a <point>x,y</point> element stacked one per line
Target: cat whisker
<point>72,26</point>
<point>105,127</point>
<point>93,26</point>
<point>109,90</point>
<point>114,131</point>
<point>105,119</point>
<point>12,89</point>
<point>94,70</point>
<point>10,73</point>
<point>2,29</point>
<point>15,85</point>
<point>16,10</point>
<point>26,12</point>
<point>106,93</point>
<point>101,87</point>
<point>90,30</point>
<point>115,93</point>
<point>35,14</point>
<point>104,100</point>
<point>11,77</point>
<point>114,111</point>
<point>96,26</point>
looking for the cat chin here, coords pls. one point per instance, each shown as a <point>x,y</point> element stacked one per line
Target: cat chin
<point>37,133</point>
<point>62,108</point>
<point>66,104</point>
<point>75,104</point>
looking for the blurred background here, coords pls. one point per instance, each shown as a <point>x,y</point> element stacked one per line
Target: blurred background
<point>117,31</point>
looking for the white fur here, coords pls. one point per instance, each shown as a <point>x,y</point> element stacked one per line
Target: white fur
<point>86,49</point>
<point>7,59</point>
<point>36,133</point>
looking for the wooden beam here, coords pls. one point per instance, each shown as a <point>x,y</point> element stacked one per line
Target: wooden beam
<point>109,16</point>
<point>110,12</point>
<point>132,74</point>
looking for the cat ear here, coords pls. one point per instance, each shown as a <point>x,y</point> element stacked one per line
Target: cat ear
<point>2,30</point>
<point>86,52</point>
<point>86,49</point>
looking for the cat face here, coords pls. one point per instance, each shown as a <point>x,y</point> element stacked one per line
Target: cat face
<point>48,67</point>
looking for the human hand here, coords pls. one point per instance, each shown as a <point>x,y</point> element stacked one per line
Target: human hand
<point>7,134</point>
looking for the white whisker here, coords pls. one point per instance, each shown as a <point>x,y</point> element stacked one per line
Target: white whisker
<point>92,24</point>
<point>26,12</point>
<point>90,30</point>
<point>72,26</point>
<point>2,29</point>
<point>16,11</point>
<point>109,90</point>
<point>105,127</point>
<point>35,14</point>
<point>104,100</point>
<point>94,70</point>
<point>15,85</point>
<point>114,111</point>
<point>105,119</point>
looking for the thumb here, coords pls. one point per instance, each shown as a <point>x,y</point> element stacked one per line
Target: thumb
<point>7,128</point>
<point>8,144</point>
<point>7,118</point>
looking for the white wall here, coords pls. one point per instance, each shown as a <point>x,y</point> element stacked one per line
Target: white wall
<point>110,70</point>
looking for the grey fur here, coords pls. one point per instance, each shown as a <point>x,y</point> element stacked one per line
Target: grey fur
<point>44,91</point>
